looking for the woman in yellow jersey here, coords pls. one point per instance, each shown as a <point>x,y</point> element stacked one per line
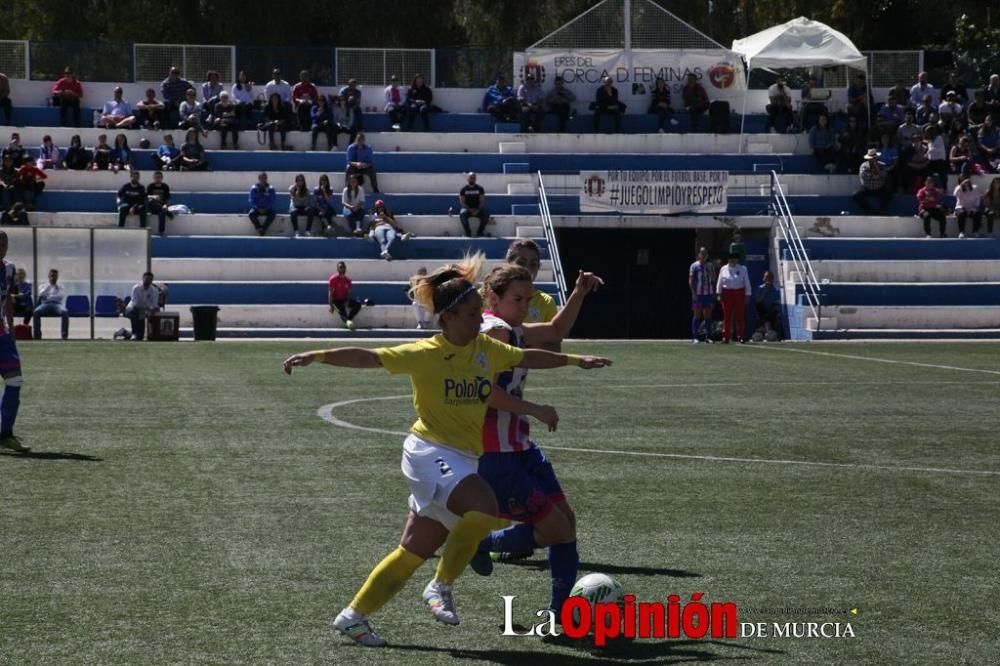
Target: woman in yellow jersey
<point>452,377</point>
<point>525,252</point>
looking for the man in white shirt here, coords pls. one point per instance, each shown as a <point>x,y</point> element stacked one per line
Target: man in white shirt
<point>779,108</point>
<point>51,301</point>
<point>921,88</point>
<point>117,113</point>
<point>734,289</point>
<point>280,86</point>
<point>145,301</point>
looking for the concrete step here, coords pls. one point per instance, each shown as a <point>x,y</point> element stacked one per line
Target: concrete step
<point>911,317</point>
<point>908,334</point>
<point>530,232</point>
<point>306,316</point>
<point>513,148</point>
<point>937,271</point>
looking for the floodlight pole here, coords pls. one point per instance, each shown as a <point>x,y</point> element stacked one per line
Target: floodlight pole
<point>627,16</point>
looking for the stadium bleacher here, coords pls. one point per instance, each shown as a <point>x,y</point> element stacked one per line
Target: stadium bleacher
<point>879,277</point>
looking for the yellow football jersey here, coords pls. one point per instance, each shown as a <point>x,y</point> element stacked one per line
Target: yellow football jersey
<point>451,385</point>
<point>542,308</point>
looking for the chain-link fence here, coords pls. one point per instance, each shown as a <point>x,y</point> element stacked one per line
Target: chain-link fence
<point>152,62</point>
<point>375,66</point>
<point>472,68</point>
<point>91,61</point>
<point>260,61</point>
<point>14,59</point>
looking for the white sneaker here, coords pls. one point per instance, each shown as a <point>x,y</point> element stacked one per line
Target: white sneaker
<point>386,256</point>
<point>674,122</point>
<point>307,234</point>
<point>356,627</point>
<point>406,236</point>
<point>928,236</point>
<point>961,235</point>
<point>395,126</point>
<point>438,597</point>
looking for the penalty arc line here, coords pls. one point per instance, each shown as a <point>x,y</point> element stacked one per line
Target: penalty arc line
<point>326,412</point>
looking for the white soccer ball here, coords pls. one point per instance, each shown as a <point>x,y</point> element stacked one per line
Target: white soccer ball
<point>598,588</point>
<point>771,336</point>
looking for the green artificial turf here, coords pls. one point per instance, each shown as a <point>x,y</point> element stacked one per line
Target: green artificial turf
<point>188,505</point>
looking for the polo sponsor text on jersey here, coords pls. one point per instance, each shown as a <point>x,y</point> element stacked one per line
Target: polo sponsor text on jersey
<point>465,391</point>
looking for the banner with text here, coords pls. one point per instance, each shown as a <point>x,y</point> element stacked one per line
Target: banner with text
<point>663,192</point>
<point>634,73</point>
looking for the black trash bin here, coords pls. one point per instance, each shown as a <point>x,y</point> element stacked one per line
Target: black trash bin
<point>206,320</point>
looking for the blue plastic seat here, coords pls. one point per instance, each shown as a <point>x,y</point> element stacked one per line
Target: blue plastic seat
<point>78,306</point>
<point>106,305</point>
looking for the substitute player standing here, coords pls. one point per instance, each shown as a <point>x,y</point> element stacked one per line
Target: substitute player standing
<point>525,484</point>
<point>452,378</point>
<point>10,362</point>
<point>701,280</point>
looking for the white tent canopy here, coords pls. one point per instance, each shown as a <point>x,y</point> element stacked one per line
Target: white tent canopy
<point>798,43</point>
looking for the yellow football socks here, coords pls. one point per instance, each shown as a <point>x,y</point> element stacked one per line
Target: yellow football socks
<point>462,544</point>
<point>386,580</point>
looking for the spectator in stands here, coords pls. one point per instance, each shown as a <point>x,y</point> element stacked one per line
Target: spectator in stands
<point>211,90</point>
<point>890,117</point>
<point>51,303</point>
<point>132,200</point>
<point>21,293</point>
<point>659,103</point>
<point>955,86</point>
<point>190,112</point>
<point>16,216</point>
<point>5,105</point>
<point>767,302</point>
<point>937,155</point>
<point>193,153</point>
<point>361,162</point>
<point>277,118</point>
<point>226,121</point>
<point>560,102</point>
<point>859,101</point>
<point>954,131</point>
<point>29,183</point>
<point>695,100</point>
<point>242,94</point>
<point>77,157</point>
<point>300,202</point>
<point>121,154</point>
<point>384,230</point>
<point>960,157</point>
<point>343,120</point>
<point>500,101</point>
<point>976,112</point>
<point>280,87</point>
<point>988,142</point>
<point>304,96</point>
<point>472,198</point>
<point>950,110</point>
<point>606,103</point>
<point>423,316</point>
<point>419,99</point>
<point>922,88</point>
<point>888,157</point>
<point>158,201</point>
<point>926,112</point>
<point>340,296</point>
<point>968,203</point>
<point>324,204</point>
<point>913,164</point>
<point>823,141</point>
<point>117,113</point>
<point>701,282</point>
<point>395,103</point>
<point>532,101</point>
<point>66,94</point>
<point>929,206</point>
<point>734,291</point>
<point>49,155</point>
<point>351,95</point>
<point>779,107</point>
<point>902,95</point>
<point>991,202</point>
<point>150,111</point>
<point>262,204</point>
<point>173,89</point>
<point>8,181</point>
<point>321,117</point>
<point>905,132</point>
<point>352,200</point>
<point>168,156</point>
<point>874,183</point>
<point>145,300</point>
<point>812,104</point>
<point>14,149</point>
<point>992,91</point>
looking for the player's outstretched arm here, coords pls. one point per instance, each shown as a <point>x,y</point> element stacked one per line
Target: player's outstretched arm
<point>539,359</point>
<point>345,357</point>
<point>505,402</point>
<point>556,330</point>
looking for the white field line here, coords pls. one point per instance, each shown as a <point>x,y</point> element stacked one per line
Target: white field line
<point>855,357</point>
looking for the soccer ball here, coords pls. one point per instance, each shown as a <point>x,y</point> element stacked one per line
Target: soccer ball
<point>598,588</point>
<point>771,336</point>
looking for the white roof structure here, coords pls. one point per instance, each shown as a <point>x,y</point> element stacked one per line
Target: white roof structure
<point>798,43</point>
